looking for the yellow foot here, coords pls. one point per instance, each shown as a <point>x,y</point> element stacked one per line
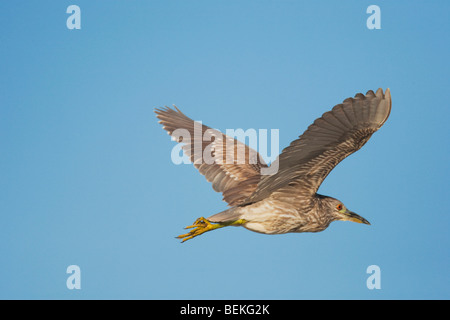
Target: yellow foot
<point>200,226</point>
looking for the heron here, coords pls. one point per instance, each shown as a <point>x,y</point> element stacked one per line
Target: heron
<point>285,201</point>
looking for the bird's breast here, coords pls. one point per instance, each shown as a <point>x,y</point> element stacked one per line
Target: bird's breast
<point>272,217</point>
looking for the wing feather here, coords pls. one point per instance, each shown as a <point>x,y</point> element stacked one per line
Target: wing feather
<point>227,177</point>
<point>307,161</point>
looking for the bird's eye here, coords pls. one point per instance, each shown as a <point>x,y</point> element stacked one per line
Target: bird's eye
<point>339,206</point>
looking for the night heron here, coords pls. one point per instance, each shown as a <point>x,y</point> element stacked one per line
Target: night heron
<point>285,200</point>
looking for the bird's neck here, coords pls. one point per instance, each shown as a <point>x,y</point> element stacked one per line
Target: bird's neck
<point>322,206</point>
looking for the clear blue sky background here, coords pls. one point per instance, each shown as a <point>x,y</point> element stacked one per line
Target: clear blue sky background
<point>86,174</point>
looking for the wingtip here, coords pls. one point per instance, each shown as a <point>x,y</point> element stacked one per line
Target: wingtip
<point>159,110</point>
<point>156,109</point>
<point>379,92</point>
<point>387,93</point>
<point>388,104</point>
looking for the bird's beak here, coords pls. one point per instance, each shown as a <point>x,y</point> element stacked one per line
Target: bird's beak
<point>356,218</point>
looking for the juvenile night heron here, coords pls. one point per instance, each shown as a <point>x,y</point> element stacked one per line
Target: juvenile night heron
<point>287,200</point>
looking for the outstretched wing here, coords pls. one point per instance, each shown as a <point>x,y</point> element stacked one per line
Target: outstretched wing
<point>307,161</point>
<point>232,167</point>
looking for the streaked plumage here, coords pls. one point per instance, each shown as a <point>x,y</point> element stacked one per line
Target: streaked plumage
<point>286,201</point>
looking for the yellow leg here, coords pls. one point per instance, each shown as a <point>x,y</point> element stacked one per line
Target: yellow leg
<point>201,225</point>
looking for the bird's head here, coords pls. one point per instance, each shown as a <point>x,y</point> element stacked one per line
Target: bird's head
<point>340,212</point>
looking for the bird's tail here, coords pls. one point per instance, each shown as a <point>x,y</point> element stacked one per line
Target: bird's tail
<point>229,215</point>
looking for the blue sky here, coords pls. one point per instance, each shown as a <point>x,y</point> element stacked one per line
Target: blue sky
<point>87,177</point>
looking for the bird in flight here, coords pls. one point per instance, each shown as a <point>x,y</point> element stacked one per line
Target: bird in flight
<point>285,200</point>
